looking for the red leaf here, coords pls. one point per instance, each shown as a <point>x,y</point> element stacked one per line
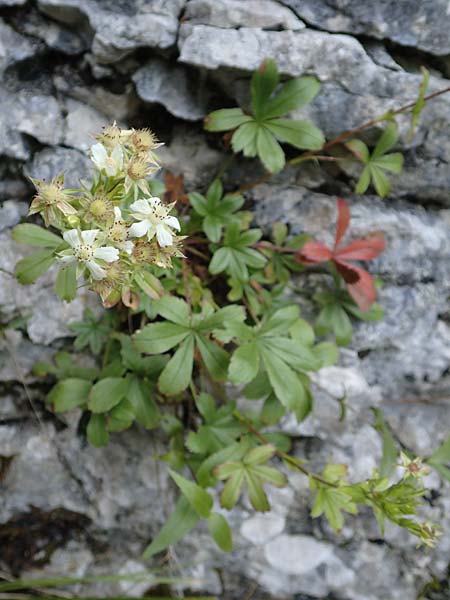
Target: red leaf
<point>363,249</point>
<point>363,290</point>
<point>348,272</point>
<point>315,252</point>
<point>342,222</point>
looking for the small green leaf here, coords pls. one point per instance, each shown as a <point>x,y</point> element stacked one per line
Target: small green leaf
<point>294,94</point>
<point>177,373</point>
<point>220,531</point>
<point>327,353</point>
<point>225,119</point>
<point>174,309</point>
<point>96,431</point>
<point>244,139</point>
<point>197,497</point>
<point>390,162</point>
<point>269,150</point>
<point>256,494</point>
<point>359,149</point>
<point>244,363</point>
<point>33,235</point>
<point>66,283</point>
<point>157,338</point>
<point>149,284</point>
<point>390,453</point>
<point>232,490</point>
<point>106,393</point>
<point>259,455</point>
<point>420,103</point>
<point>33,266</point>
<point>300,134</point>
<point>181,521</point>
<point>387,140</point>
<point>380,181</point>
<point>140,396</point>
<point>214,357</point>
<point>69,393</point>
<point>363,181</point>
<point>264,81</point>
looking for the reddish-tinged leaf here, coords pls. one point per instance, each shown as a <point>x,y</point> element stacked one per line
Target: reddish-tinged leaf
<point>175,191</point>
<point>347,271</point>
<point>342,222</point>
<point>363,249</point>
<point>315,252</point>
<point>363,290</point>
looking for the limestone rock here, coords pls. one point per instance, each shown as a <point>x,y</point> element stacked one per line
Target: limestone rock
<point>52,161</point>
<point>412,23</point>
<point>179,91</point>
<point>242,13</point>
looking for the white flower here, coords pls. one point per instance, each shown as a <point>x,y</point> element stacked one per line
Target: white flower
<point>87,252</point>
<point>111,163</point>
<point>153,220</point>
<point>118,233</point>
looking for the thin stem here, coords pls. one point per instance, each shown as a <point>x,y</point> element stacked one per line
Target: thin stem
<point>289,459</point>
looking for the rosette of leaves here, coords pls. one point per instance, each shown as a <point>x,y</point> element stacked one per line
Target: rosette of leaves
<point>217,211</point>
<point>259,133</point>
<point>378,161</point>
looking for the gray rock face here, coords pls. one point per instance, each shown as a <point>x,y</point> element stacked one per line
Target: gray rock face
<point>180,92</point>
<point>242,13</point>
<point>120,27</point>
<point>422,25</point>
<point>52,103</point>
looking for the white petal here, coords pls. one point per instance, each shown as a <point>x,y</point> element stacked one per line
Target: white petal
<point>155,201</point>
<point>117,214</point>
<point>96,271</point>
<point>141,206</point>
<point>107,253</point>
<point>67,259</point>
<point>72,237</point>
<point>126,247</point>
<point>99,155</point>
<point>172,222</point>
<point>139,229</point>
<point>163,235</point>
<point>89,236</point>
<point>117,155</point>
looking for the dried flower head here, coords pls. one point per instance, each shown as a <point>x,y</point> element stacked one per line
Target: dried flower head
<point>144,140</point>
<point>51,200</point>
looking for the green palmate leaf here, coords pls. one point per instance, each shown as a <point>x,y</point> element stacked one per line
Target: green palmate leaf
<point>145,409</point>
<point>160,337</point>
<point>269,150</point>
<point>363,181</point>
<point>301,134</point>
<point>106,393</point>
<point>387,140</point>
<point>225,119</point>
<point>359,149</point>
<point>66,283</point>
<point>281,320</point>
<point>264,82</point>
<point>69,393</point>
<point>181,521</point>
<point>331,502</point>
<point>212,226</point>
<point>420,103</point>
<point>214,357</point>
<point>259,455</point>
<point>286,384</point>
<point>390,453</point>
<point>177,373</point>
<point>219,431</point>
<point>294,94</point>
<point>174,309</point>
<point>32,267</point>
<point>333,317</point>
<point>33,235</point>
<point>380,181</point>
<point>390,162</point>
<point>121,416</point>
<point>149,284</point>
<point>244,364</point>
<point>197,497</point>
<point>244,139</point>
<point>293,353</point>
<point>96,431</point>
<point>220,531</point>
<point>256,493</point>
<point>232,490</point>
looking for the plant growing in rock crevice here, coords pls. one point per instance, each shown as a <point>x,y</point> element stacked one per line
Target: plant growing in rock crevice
<point>201,301</point>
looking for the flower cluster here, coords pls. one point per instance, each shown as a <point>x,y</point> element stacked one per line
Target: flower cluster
<point>113,230</point>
